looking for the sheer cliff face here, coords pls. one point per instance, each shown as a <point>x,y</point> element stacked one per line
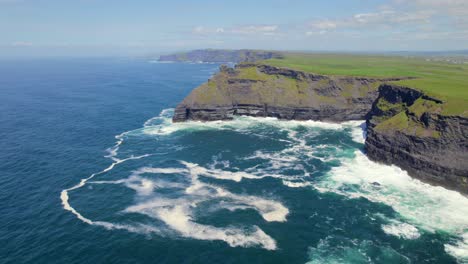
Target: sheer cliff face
<point>261,90</point>
<point>406,128</point>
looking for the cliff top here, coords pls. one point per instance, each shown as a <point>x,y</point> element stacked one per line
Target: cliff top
<point>442,80</point>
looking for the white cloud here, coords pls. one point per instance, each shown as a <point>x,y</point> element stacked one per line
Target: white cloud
<point>455,8</point>
<point>267,30</point>
<point>21,44</point>
<point>324,24</point>
<point>200,30</point>
<point>387,19</point>
<point>255,29</point>
<point>314,33</point>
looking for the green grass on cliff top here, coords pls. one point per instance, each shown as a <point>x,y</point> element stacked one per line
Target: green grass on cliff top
<point>443,80</point>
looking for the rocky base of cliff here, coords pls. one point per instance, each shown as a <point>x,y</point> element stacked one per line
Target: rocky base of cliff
<point>330,114</point>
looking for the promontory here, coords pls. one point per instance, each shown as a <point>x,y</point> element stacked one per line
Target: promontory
<point>416,109</point>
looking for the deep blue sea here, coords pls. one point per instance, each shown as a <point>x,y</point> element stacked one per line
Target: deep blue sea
<point>92,170</point>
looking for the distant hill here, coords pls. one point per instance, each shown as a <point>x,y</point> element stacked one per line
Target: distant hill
<point>220,56</point>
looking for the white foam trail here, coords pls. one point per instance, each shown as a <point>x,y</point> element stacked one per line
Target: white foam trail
<point>402,230</point>
<point>459,250</point>
<point>179,221</point>
<point>270,210</point>
<point>64,193</point>
<point>145,187</point>
<point>113,151</point>
<point>177,215</point>
<point>197,170</point>
<point>296,184</point>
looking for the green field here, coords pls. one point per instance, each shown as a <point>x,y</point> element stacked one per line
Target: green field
<point>443,80</point>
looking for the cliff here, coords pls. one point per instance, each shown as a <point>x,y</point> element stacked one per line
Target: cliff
<point>262,90</point>
<point>405,127</point>
<point>220,56</point>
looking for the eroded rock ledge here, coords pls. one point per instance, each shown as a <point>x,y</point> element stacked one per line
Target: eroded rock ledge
<point>405,127</point>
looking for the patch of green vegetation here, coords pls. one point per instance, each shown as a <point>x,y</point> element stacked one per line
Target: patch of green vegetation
<point>252,73</point>
<point>445,81</point>
<point>212,91</point>
<point>403,123</point>
<point>347,89</point>
<point>398,122</point>
<point>326,99</point>
<point>282,91</point>
<point>421,106</point>
<point>384,105</point>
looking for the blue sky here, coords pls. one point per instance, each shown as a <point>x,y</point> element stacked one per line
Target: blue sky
<point>119,27</point>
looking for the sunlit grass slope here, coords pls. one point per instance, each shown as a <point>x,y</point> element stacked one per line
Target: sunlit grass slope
<point>443,80</point>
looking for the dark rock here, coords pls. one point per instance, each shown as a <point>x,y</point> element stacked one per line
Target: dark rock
<point>439,158</point>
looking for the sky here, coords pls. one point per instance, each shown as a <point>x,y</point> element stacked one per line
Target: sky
<point>144,27</point>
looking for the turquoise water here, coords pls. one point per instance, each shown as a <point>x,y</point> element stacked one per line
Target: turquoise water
<point>93,170</point>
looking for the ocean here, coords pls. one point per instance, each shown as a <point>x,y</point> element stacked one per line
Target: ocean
<point>93,171</point>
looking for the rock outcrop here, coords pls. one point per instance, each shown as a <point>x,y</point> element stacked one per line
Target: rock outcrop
<point>221,56</point>
<point>262,90</point>
<point>405,127</point>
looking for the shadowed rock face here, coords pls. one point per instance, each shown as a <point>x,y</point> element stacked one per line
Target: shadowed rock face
<point>430,146</point>
<point>404,126</point>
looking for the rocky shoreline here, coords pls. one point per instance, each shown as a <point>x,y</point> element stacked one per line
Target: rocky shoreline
<point>429,145</point>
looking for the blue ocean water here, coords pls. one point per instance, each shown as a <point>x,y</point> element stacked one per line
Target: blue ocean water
<point>93,171</point>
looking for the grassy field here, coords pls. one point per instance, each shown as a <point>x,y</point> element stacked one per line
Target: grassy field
<point>443,80</point>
